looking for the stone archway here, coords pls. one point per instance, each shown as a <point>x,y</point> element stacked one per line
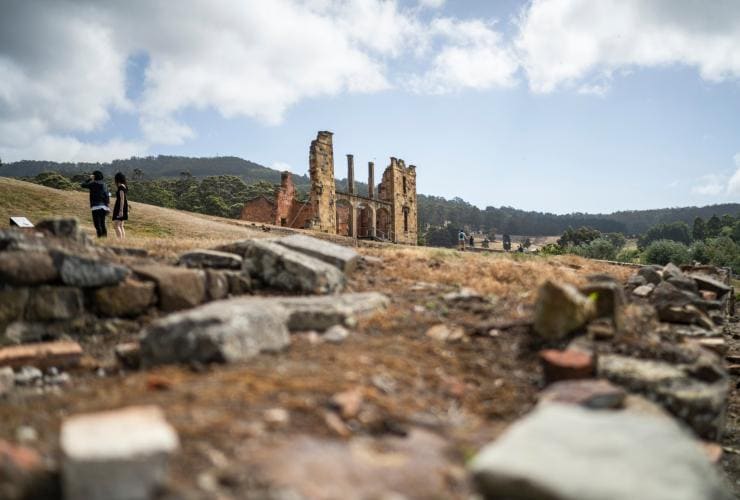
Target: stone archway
<point>383,223</point>
<point>365,220</point>
<point>345,215</point>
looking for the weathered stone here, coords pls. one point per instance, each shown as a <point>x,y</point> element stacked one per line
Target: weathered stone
<point>591,393</point>
<point>714,344</point>
<point>128,354</point>
<point>601,329</point>
<point>445,333</point>
<point>636,280</point>
<point>708,296</point>
<point>22,474</point>
<point>178,288</point>
<point>223,331</point>
<point>217,284</point>
<point>335,334</point>
<point>321,313</point>
<point>27,268</point>
<point>285,269</point>
<point>560,310</point>
<point>129,251</point>
<point>652,274</point>
<point>339,256</point>
<point>676,387</point>
<point>50,303</point>
<point>88,273</point>
<point>643,290</point>
<point>566,365</point>
<point>116,455</point>
<point>684,283</point>
<point>239,283</point>
<point>688,314</point>
<point>709,284</point>
<point>63,227</point>
<point>671,270</point>
<point>12,305</point>
<point>210,259</point>
<point>570,453</point>
<point>7,380</point>
<point>609,298</point>
<point>128,299</point>
<point>28,376</point>
<point>42,355</point>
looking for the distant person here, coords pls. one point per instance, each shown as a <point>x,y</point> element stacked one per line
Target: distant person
<point>486,242</point>
<point>461,240</point>
<point>99,202</point>
<point>120,209</point>
<point>472,241</point>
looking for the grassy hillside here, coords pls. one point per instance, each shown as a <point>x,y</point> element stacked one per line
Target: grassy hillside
<point>162,230</point>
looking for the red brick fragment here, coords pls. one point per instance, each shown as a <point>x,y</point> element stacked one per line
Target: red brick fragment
<point>566,365</point>
<point>707,295</point>
<point>61,354</point>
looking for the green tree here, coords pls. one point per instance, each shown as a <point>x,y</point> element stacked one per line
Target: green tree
<point>664,251</point>
<point>699,230</point>
<point>714,226</point>
<point>616,239</point>
<point>675,231</point>
<point>699,252</point>
<point>576,237</point>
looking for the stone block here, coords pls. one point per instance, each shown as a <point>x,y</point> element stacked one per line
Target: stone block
<point>608,296</point>
<point>63,227</point>
<point>116,455</point>
<point>239,283</point>
<point>178,288</point>
<point>53,303</point>
<point>212,259</point>
<point>643,290</point>
<point>22,473</point>
<point>671,270</point>
<point>279,267</point>
<point>223,331</point>
<point>706,283</point>
<point>87,272</point>
<point>128,354</point>
<point>217,284</point>
<point>321,313</point>
<point>344,258</point>
<point>570,453</point>
<point>128,299</point>
<point>12,305</point>
<point>651,274</point>
<point>561,309</point>
<point>589,393</point>
<point>60,354</point>
<point>21,268</point>
<point>566,365</point>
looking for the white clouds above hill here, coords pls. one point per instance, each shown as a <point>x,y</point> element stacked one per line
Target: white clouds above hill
<point>63,62</point>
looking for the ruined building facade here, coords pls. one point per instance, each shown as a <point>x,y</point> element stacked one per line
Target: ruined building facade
<point>387,212</point>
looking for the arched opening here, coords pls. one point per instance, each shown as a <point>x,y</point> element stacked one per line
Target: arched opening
<point>405,219</point>
<point>365,223</point>
<point>344,218</point>
<point>383,223</point>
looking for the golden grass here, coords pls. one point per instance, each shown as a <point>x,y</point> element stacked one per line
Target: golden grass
<point>163,231</point>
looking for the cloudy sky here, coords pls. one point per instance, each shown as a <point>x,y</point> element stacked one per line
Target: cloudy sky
<point>555,105</point>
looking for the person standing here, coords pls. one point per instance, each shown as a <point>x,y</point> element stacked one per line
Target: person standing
<point>120,209</point>
<point>472,241</point>
<point>461,240</point>
<point>99,202</point>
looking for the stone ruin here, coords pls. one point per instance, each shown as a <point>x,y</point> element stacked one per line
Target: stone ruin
<point>388,212</point>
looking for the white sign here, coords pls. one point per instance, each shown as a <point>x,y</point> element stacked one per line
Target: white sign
<point>20,222</point>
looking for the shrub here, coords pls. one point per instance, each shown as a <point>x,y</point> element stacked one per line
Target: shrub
<point>699,252</point>
<point>664,251</point>
<point>630,255</point>
<point>55,180</point>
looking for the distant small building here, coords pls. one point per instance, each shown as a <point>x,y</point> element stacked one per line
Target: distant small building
<point>388,212</point>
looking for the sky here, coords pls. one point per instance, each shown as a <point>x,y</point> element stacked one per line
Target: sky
<point>550,105</point>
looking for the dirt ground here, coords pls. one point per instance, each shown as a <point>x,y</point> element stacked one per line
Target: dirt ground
<point>418,408</point>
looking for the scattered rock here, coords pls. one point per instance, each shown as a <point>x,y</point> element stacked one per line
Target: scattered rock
<point>279,267</point>
<point>601,329</point>
<point>560,309</point>
<point>217,284</point>
<point>212,259</point>
<point>276,417</point>
<point>120,454</point>
<point>27,268</point>
<point>88,273</point>
<point>671,270</point>
<point>12,305</point>
<point>570,453</point>
<point>224,331</point>
<point>652,274</point>
<point>590,393</point>
<point>239,283</point>
<point>178,288</point>
<point>566,365</point>
<point>128,354</point>
<point>21,471</point>
<point>321,313</point>
<point>62,353</point>
<point>28,376</point>
<point>643,290</point>
<point>684,283</point>
<point>708,296</point>
<point>464,295</point>
<point>50,303</point>
<point>344,258</point>
<point>334,423</point>
<point>335,334</point>
<point>636,280</point>
<point>7,380</point>
<point>348,402</point>
<point>128,299</point>
<point>445,333</point>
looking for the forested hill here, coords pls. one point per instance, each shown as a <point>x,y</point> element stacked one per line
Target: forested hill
<point>433,210</point>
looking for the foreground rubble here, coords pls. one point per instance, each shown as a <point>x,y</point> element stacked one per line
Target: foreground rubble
<point>297,368</point>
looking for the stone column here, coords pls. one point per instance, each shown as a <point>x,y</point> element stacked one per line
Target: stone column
<point>353,221</point>
<point>371,182</point>
<point>350,174</point>
<point>372,211</point>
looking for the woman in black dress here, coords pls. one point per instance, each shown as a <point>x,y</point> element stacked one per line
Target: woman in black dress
<point>120,209</point>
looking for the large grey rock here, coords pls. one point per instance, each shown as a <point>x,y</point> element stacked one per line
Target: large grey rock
<point>342,257</point>
<point>652,274</point>
<point>696,394</point>
<point>561,309</point>
<point>684,283</point>
<point>239,282</point>
<point>671,270</point>
<point>128,299</point>
<point>223,331</point>
<point>27,268</point>
<point>280,267</point>
<point>116,455</point>
<point>86,272</point>
<point>178,288</point>
<point>567,453</point>
<point>211,259</point>
<point>217,284</point>
<point>52,303</point>
<point>706,282</point>
<point>321,313</point>
<point>63,227</point>
<point>12,305</point>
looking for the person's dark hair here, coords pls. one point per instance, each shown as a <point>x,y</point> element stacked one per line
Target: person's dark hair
<point>98,175</point>
<point>120,178</point>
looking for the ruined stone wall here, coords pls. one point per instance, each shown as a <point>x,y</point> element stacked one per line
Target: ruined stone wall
<point>323,195</point>
<point>259,209</point>
<point>399,187</point>
<point>284,198</point>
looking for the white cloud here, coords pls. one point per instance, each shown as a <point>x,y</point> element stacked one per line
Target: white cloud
<point>431,4</point>
<point>472,56</point>
<point>564,41</point>
<point>281,166</point>
<point>70,149</point>
<point>733,185</point>
<point>710,185</point>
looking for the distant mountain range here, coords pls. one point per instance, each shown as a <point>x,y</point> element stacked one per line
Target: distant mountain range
<point>433,210</point>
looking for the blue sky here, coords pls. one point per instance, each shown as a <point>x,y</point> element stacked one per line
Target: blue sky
<point>551,105</point>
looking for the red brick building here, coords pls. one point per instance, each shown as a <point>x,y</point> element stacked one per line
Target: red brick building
<point>284,210</point>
